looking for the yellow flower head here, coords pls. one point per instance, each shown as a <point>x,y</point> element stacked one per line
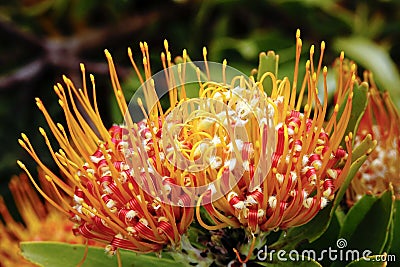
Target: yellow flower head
<point>308,163</point>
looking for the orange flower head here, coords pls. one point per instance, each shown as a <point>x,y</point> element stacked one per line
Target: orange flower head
<point>251,155</point>
<point>382,120</point>
<point>40,222</point>
<point>108,201</point>
<point>288,185</point>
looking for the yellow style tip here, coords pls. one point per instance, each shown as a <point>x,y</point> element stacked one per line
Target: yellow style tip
<point>166,44</point>
<point>298,33</point>
<point>48,178</point>
<point>24,137</point>
<point>42,131</point>
<point>56,90</point>
<point>21,165</point>
<point>65,79</point>
<point>21,143</point>
<point>39,103</point>
<point>336,108</point>
<point>351,135</point>
<point>107,53</point>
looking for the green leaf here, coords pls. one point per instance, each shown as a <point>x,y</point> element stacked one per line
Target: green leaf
<point>39,8</point>
<point>390,234</point>
<point>328,239</point>
<point>367,224</point>
<point>287,260</point>
<point>372,261</point>
<point>356,214</point>
<point>340,215</point>
<point>395,246</point>
<point>363,148</point>
<point>267,63</point>
<point>310,231</point>
<point>359,104</point>
<point>355,165</point>
<point>373,57</point>
<point>54,254</point>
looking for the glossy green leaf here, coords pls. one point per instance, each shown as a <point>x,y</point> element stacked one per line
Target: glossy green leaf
<point>359,104</point>
<point>287,259</point>
<point>340,215</point>
<point>395,246</point>
<point>372,261</point>
<point>310,231</point>
<point>372,57</point>
<point>357,214</point>
<point>367,225</point>
<point>267,63</point>
<point>326,240</point>
<point>54,254</point>
<point>390,231</point>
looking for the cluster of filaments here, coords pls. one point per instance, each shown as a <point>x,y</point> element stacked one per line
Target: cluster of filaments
<point>381,168</point>
<point>108,204</point>
<point>304,175</point>
<point>308,164</point>
<point>119,184</point>
<point>147,223</point>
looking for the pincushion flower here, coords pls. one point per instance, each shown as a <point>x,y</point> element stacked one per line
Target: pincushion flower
<point>311,157</point>
<point>251,156</point>
<point>40,222</point>
<point>382,121</point>
<point>308,163</point>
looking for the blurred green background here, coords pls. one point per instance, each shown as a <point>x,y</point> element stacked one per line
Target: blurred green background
<point>40,40</point>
